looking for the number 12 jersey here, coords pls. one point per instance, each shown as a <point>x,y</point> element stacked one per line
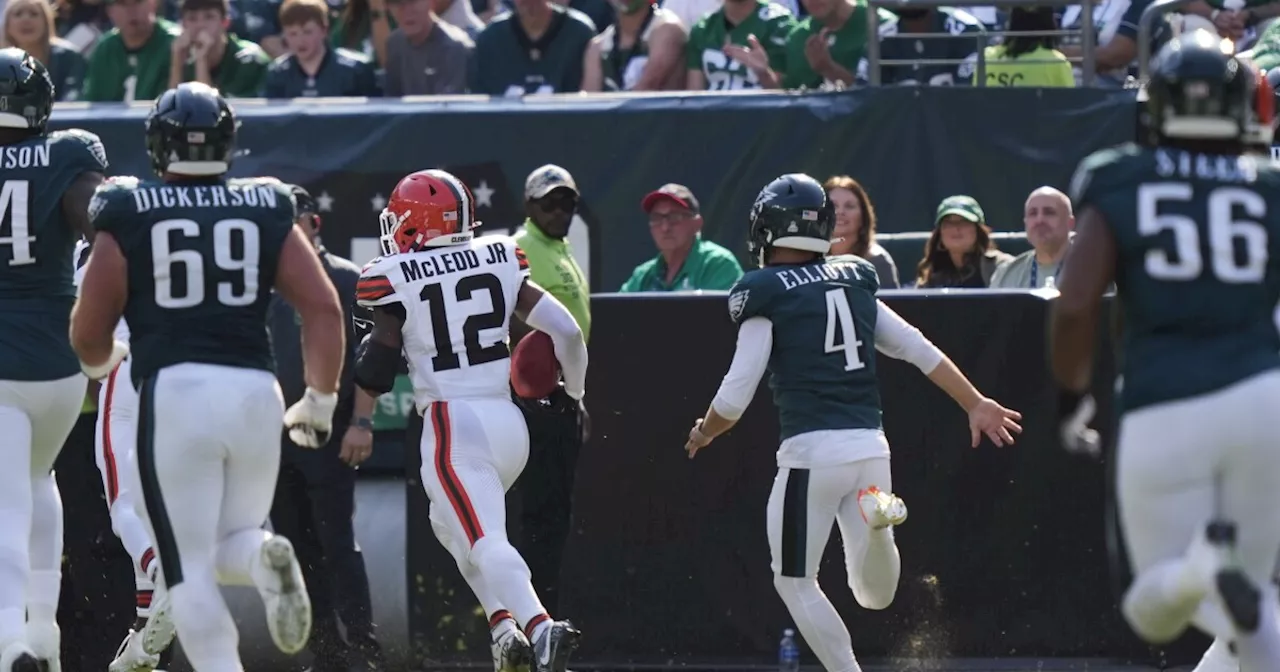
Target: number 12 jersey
<point>457,302</point>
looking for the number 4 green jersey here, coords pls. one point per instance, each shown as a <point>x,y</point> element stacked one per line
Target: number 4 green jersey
<point>770,23</point>
<point>1197,266</point>
<point>823,363</point>
<point>202,258</point>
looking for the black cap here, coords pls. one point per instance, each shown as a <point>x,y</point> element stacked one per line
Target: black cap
<point>304,200</point>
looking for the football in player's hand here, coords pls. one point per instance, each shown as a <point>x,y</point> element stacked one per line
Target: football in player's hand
<point>535,372</point>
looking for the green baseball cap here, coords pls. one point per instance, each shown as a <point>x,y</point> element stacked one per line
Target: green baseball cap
<point>963,206</point>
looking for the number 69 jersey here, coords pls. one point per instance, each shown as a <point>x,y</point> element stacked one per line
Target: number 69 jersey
<point>1197,241</point>
<point>202,258</point>
<point>823,364</point>
<point>457,302</point>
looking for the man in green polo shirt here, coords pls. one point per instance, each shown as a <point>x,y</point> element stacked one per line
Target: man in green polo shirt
<point>132,61</point>
<point>685,261</point>
<point>206,53</point>
<point>558,426</point>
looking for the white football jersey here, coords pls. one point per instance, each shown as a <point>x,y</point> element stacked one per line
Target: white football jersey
<point>79,258</point>
<point>458,301</point>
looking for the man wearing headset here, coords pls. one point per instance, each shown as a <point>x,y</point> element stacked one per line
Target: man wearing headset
<point>315,493</point>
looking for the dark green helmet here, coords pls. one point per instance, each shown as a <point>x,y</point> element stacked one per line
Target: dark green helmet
<point>191,131</point>
<point>1200,91</point>
<point>26,91</point>
<point>794,212</point>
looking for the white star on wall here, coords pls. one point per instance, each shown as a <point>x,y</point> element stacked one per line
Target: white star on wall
<point>378,202</point>
<point>484,195</point>
<point>325,202</point>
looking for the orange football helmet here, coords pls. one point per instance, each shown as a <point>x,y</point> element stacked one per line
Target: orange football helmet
<point>428,208</point>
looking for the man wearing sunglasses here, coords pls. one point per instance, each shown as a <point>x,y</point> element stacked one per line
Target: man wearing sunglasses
<point>558,425</point>
<point>315,493</point>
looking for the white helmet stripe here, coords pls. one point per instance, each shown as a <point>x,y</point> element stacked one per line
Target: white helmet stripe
<point>464,198</point>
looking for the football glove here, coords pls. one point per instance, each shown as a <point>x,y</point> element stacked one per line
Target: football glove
<point>310,421</point>
<point>119,350</point>
<point>1075,412</point>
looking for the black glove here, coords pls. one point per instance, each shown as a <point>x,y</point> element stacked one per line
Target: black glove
<point>1075,412</point>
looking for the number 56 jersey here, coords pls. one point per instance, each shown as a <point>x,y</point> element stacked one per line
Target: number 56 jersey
<point>457,302</point>
<point>1197,270</point>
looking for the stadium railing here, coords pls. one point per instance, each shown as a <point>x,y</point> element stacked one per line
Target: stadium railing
<point>1085,32</point>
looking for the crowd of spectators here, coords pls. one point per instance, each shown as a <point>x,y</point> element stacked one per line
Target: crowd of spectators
<point>126,50</point>
<point>959,253</point>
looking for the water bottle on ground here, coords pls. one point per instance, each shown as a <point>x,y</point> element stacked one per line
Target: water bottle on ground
<point>788,652</point>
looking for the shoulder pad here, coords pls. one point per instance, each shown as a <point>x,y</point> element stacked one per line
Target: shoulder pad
<point>374,288</point>
<point>772,10</point>
<point>751,295</point>
<point>81,142</point>
<point>111,190</point>
<point>1096,162</point>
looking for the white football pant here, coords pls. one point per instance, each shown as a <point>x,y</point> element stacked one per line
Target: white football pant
<point>1182,464</point>
<point>35,418</point>
<point>208,452</point>
<point>802,506</point>
<point>114,451</point>
<point>472,453</point>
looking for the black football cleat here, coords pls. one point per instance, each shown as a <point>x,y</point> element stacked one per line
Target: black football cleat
<point>554,646</point>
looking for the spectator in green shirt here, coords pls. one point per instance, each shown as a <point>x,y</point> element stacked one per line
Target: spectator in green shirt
<point>824,49</point>
<point>685,261</point>
<point>206,53</point>
<point>132,61</point>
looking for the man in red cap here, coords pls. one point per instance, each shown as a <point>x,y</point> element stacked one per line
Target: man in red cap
<point>685,261</point>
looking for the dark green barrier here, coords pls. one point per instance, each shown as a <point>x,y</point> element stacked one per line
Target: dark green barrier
<point>1009,552</point>
<point>910,147</point>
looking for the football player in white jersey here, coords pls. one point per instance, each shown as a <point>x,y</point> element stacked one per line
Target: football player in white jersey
<point>113,444</point>
<point>445,300</point>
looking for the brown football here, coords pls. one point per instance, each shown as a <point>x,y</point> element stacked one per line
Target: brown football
<point>535,372</point>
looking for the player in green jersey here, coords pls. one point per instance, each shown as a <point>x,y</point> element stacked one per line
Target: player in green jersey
<point>190,261</point>
<point>1183,224</point>
<point>811,321</point>
<point>46,181</point>
<point>741,45</point>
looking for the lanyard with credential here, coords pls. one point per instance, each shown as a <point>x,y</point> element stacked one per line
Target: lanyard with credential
<point>1035,272</point>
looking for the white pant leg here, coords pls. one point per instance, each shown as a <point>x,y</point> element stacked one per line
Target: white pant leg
<point>114,448</point>
<point>53,406</point>
<point>15,516</point>
<point>472,453</point>
<point>196,425</point>
<point>1184,463</point>
<point>802,507</point>
<point>871,556</point>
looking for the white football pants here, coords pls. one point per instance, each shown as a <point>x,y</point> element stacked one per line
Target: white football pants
<point>472,453</point>
<point>208,452</point>
<point>1182,464</point>
<point>114,451</point>
<point>802,506</point>
<point>35,418</point>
